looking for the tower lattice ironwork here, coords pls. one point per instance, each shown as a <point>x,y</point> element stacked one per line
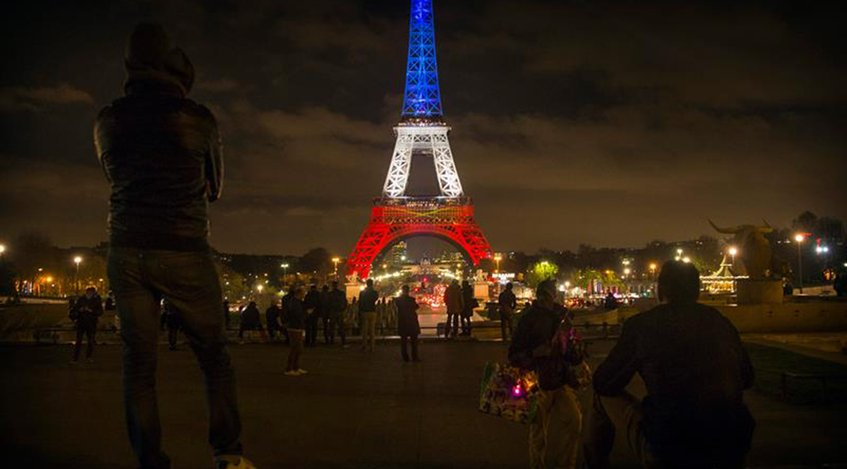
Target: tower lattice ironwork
<point>421,131</point>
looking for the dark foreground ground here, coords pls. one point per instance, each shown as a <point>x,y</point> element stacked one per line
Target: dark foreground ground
<point>352,410</point>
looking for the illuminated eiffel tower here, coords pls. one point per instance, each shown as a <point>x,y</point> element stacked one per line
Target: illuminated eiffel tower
<point>397,216</point>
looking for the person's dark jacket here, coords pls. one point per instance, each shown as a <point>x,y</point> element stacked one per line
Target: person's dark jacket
<point>250,317</point>
<point>323,308</point>
<point>337,302</point>
<point>407,316</point>
<point>295,315</point>
<point>532,347</point>
<point>508,300</point>
<point>87,310</point>
<point>272,316</point>
<point>367,300</point>
<point>160,151</point>
<point>312,302</point>
<point>468,301</point>
<point>695,369</point>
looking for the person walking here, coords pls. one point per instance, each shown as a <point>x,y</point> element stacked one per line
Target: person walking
<point>272,318</point>
<point>251,321</point>
<point>541,344</point>
<point>453,301</point>
<point>85,313</point>
<point>313,313</point>
<point>161,154</point>
<point>367,308</point>
<point>295,318</point>
<point>336,311</point>
<point>695,369</point>
<point>408,326</point>
<point>468,305</point>
<point>507,303</point>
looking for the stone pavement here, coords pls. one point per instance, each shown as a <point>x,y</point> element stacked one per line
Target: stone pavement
<point>353,409</point>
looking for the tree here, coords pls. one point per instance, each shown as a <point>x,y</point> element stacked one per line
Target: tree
<point>316,260</point>
<point>806,222</point>
<point>541,271</point>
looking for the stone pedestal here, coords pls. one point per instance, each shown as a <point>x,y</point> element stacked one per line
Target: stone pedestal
<point>757,292</point>
<point>352,289</point>
<point>480,291</point>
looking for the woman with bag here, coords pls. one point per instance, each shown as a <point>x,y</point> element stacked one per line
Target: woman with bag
<point>545,343</point>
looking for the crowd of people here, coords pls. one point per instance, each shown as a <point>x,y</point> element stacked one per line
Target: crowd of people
<point>162,156</point>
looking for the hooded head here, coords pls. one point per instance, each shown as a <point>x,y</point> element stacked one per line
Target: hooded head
<point>151,61</point>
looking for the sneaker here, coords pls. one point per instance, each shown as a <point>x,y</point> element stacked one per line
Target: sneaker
<point>292,373</point>
<point>301,371</point>
<point>233,462</point>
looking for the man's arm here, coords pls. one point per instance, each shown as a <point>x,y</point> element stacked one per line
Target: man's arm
<point>620,365</point>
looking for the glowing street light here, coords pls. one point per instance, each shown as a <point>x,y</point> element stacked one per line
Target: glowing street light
<point>259,288</point>
<point>653,266</point>
<point>77,261</point>
<point>284,269</point>
<point>335,261</point>
<point>686,259</point>
<point>2,249</point>
<point>627,271</point>
<point>799,237</point>
<point>497,259</point>
<point>732,252</point>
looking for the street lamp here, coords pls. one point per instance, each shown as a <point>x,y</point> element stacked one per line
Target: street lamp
<point>732,252</point>
<point>653,268</point>
<point>686,259</point>
<point>497,259</point>
<point>284,271</point>
<point>2,249</point>
<point>77,261</point>
<point>335,261</point>
<point>799,238</point>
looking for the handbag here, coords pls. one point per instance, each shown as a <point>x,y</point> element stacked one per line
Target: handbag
<point>509,392</point>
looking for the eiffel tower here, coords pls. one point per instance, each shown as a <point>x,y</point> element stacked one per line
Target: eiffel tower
<point>422,131</point>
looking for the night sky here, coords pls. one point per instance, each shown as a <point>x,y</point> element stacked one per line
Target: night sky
<point>611,124</point>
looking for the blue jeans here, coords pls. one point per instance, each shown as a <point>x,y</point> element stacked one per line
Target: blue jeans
<point>139,278</point>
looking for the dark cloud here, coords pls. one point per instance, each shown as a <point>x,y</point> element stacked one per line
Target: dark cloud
<point>574,122</point>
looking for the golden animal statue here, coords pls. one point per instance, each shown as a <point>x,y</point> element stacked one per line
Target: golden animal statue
<point>754,248</point>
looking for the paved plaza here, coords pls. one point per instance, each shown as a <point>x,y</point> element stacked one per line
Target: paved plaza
<point>353,409</point>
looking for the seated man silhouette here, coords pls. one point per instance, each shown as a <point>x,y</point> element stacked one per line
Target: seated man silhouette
<point>695,369</point>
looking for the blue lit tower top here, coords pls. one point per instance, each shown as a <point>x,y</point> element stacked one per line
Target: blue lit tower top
<point>422,99</point>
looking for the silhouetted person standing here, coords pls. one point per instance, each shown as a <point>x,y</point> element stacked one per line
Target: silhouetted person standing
<point>162,156</point>
<point>695,369</point>
<point>336,309</point>
<point>295,318</point>
<point>455,305</point>
<point>313,310</point>
<point>250,321</point>
<point>507,303</point>
<point>468,304</point>
<point>367,308</point>
<point>85,312</point>
<point>408,326</point>
<point>272,317</point>
<point>539,345</point>
<point>840,284</point>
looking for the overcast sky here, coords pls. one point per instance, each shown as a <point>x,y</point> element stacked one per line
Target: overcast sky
<point>573,122</point>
